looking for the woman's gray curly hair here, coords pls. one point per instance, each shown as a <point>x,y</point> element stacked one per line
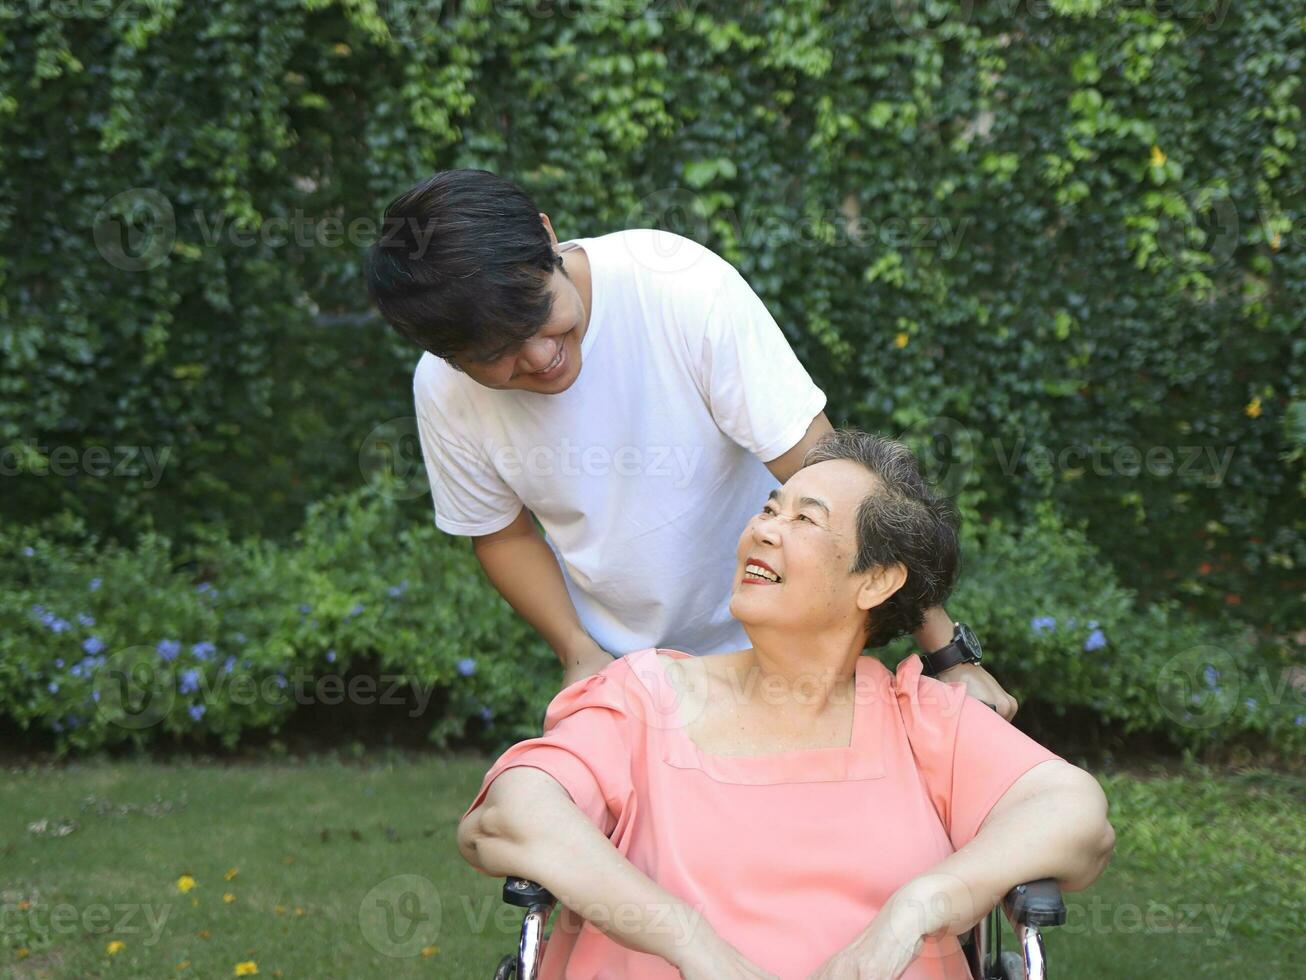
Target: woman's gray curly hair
<point>902,520</point>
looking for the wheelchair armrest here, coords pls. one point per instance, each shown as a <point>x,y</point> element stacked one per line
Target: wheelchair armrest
<point>1036,903</point>
<point>524,893</point>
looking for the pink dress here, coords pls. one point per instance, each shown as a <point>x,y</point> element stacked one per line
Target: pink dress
<point>788,855</point>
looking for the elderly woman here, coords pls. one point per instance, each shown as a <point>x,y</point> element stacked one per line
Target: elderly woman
<point>793,809</point>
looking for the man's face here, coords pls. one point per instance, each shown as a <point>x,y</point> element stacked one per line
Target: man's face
<point>548,362</point>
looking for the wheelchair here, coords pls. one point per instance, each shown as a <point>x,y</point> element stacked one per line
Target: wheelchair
<point>1030,907</point>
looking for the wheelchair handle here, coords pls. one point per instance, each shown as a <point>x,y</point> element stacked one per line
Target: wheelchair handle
<point>1035,903</point>
<point>523,893</point>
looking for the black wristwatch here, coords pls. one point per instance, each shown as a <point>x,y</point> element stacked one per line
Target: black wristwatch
<point>964,649</point>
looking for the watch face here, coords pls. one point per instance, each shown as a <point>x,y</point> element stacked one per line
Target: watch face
<point>968,637</point>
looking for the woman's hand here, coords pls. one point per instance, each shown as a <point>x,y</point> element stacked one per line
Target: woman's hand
<point>876,954</point>
<point>885,948</point>
<point>709,957</point>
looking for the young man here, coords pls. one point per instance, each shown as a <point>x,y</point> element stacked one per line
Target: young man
<point>630,392</point>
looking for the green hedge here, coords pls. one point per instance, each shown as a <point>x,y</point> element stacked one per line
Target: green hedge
<point>1068,234</point>
<point>242,634</point>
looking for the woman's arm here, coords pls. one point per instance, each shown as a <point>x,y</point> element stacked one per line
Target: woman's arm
<point>529,827</point>
<point>1051,823</point>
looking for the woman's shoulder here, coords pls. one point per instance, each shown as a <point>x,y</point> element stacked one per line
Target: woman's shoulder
<point>930,709</point>
<point>630,687</point>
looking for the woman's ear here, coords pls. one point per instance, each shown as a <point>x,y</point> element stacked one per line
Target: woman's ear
<point>879,583</point>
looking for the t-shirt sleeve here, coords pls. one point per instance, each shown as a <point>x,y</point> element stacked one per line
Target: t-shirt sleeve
<point>968,756</point>
<point>758,392</point>
<point>470,496</point>
<point>587,747</point>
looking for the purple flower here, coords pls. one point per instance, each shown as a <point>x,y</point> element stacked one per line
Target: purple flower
<point>229,665</point>
<point>467,666</point>
<point>95,695</point>
<point>92,645</point>
<point>94,584</point>
<point>168,649</point>
<point>28,551</point>
<point>331,656</point>
<point>1096,641</point>
<point>190,681</point>
<point>279,681</point>
<point>86,619</point>
<point>53,687</point>
<point>196,711</point>
<point>486,713</point>
<point>205,588</point>
<point>1212,676</point>
<point>1043,624</point>
<point>1299,720</point>
<point>74,721</point>
<point>395,591</point>
<point>203,650</point>
<point>305,609</point>
<point>1251,704</point>
<point>58,662</point>
<point>358,608</point>
<point>240,637</point>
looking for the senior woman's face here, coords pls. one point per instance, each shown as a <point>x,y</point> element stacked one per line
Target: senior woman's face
<point>793,557</point>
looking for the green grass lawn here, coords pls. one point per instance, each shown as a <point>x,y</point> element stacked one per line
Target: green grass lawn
<point>349,870</point>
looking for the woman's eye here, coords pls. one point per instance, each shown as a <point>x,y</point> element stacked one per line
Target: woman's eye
<point>768,511</point>
<point>804,517</point>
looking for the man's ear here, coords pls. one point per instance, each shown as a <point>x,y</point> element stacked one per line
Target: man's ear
<point>548,226</point>
<point>879,584</point>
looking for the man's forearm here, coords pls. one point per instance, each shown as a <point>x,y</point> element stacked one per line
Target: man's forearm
<point>936,631</point>
<point>528,826</point>
<point>522,567</point>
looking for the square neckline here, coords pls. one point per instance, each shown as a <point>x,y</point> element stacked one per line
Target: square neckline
<point>862,758</point>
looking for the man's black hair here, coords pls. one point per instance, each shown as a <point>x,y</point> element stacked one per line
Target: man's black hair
<point>463,265</point>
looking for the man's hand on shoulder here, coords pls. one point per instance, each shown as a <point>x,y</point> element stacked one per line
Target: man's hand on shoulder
<point>982,686</point>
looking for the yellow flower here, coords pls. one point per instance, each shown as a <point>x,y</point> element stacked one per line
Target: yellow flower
<point>115,947</point>
<point>280,910</point>
<point>341,49</point>
<point>1158,157</point>
<point>228,897</point>
<point>1253,409</point>
<point>185,883</point>
<point>24,905</point>
<point>1276,242</point>
<point>298,910</point>
<point>195,903</point>
<point>900,341</point>
<point>183,964</point>
<point>230,874</point>
<point>430,950</point>
<point>24,952</point>
<point>247,969</point>
<point>203,934</point>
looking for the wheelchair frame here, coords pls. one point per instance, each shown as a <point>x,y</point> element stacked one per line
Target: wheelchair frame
<point>1030,908</point>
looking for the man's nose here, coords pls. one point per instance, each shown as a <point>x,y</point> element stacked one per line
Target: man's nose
<point>537,354</point>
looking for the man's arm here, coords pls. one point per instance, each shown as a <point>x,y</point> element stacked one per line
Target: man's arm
<point>936,631</point>
<point>520,564</point>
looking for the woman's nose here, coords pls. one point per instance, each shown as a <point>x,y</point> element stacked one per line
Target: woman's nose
<point>766,531</point>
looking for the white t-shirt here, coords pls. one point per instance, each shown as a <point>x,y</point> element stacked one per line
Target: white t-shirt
<point>644,472</point>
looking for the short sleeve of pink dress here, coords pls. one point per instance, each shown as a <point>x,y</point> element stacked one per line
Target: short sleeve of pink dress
<point>788,855</point>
